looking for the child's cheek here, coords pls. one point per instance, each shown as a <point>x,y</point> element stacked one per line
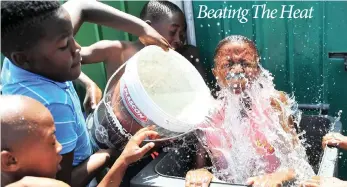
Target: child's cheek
<point>251,73</point>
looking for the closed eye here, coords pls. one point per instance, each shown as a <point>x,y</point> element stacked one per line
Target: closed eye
<point>65,47</point>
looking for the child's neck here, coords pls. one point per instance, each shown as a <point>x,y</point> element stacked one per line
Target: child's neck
<point>139,45</point>
<point>7,179</point>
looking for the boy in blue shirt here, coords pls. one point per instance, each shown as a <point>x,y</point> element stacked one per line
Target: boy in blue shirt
<point>37,37</point>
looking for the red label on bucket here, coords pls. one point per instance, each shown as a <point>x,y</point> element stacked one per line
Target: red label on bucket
<point>131,105</point>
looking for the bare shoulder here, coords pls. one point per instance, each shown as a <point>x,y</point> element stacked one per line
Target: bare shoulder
<point>129,49</point>
<point>279,98</point>
<point>38,182</point>
<point>282,96</point>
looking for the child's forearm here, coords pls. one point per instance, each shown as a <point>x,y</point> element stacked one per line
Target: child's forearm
<point>84,80</point>
<point>115,174</point>
<point>85,172</point>
<point>95,12</point>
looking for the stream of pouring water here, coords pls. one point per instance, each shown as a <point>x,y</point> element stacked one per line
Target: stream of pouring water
<point>251,140</point>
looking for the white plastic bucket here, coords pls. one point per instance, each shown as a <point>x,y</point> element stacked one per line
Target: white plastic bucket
<point>165,89</point>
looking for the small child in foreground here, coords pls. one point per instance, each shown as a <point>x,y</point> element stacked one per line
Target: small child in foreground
<point>30,151</point>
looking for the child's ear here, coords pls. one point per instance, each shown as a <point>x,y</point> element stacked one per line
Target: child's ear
<point>8,162</point>
<point>148,22</point>
<point>20,59</point>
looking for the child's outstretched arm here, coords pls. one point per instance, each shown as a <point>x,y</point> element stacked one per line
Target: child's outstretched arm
<point>132,153</point>
<point>95,12</point>
<point>102,51</point>
<point>336,140</point>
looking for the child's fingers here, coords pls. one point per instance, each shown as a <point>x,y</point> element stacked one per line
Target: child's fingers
<point>93,103</point>
<point>154,137</point>
<point>332,142</point>
<point>188,178</point>
<point>250,180</point>
<point>164,44</point>
<point>155,153</point>
<point>143,150</point>
<point>139,137</point>
<point>309,184</point>
<point>151,127</point>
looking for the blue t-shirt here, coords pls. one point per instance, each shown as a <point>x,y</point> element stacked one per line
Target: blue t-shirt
<point>62,101</point>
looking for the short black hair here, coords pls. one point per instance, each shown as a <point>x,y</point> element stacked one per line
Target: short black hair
<point>158,10</point>
<point>21,23</point>
<point>235,38</point>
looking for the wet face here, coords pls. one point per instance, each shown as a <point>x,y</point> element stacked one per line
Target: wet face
<point>236,66</point>
<point>173,29</point>
<point>39,155</point>
<point>57,54</point>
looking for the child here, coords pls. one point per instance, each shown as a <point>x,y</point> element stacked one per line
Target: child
<point>166,18</point>
<point>42,60</point>
<point>28,143</point>
<point>237,70</point>
<point>34,150</point>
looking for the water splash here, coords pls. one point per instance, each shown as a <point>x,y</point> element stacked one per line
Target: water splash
<point>339,113</point>
<point>253,135</point>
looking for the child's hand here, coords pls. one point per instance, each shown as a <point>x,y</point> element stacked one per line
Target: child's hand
<point>336,140</point>
<point>317,181</point>
<point>152,37</point>
<point>200,177</point>
<point>132,151</point>
<point>272,180</point>
<point>93,97</point>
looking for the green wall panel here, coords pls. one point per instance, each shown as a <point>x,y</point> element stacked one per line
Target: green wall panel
<point>295,51</point>
<point>335,77</point>
<point>134,8</point>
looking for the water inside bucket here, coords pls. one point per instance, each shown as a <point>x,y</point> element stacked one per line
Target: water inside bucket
<point>174,85</point>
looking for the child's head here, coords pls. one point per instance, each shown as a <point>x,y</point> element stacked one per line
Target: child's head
<point>38,37</point>
<point>166,18</point>
<point>236,63</point>
<point>28,143</point>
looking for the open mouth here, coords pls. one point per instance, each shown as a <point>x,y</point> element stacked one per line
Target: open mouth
<point>77,62</point>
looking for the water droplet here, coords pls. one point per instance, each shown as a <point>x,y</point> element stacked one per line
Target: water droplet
<point>208,25</point>
<point>218,23</point>
<point>201,25</point>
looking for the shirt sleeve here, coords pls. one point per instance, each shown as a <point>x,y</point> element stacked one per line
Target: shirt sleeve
<point>65,125</point>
